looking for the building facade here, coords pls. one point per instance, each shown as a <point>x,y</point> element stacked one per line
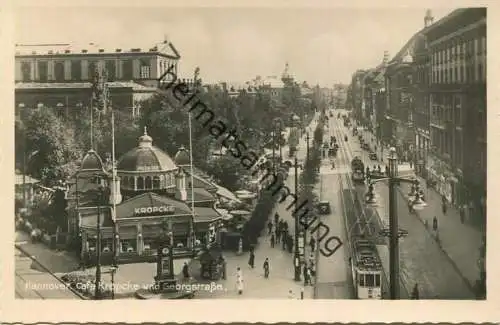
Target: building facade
<point>59,75</point>
<point>457,110</point>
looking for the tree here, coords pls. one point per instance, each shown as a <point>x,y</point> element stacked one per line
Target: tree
<point>54,143</point>
<point>228,171</point>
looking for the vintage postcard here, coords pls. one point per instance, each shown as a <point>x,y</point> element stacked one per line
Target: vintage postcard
<point>236,153</point>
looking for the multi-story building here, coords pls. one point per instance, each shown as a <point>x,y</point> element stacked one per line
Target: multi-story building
<point>59,75</point>
<point>355,94</point>
<point>457,93</point>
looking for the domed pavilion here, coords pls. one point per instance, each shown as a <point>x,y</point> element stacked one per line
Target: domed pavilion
<point>153,191</point>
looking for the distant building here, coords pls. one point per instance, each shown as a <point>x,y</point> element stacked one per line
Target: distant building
<point>60,76</point>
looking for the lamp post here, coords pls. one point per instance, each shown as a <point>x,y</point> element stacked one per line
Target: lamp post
<point>274,145</point>
<point>97,294</point>
<point>394,233</point>
<point>296,258</point>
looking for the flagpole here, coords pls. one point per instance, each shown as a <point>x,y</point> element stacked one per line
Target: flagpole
<point>192,181</point>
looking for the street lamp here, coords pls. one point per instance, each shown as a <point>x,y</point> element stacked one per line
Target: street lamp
<point>273,135</point>
<point>296,258</point>
<point>394,233</point>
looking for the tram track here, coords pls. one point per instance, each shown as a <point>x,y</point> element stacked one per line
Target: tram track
<point>358,209</point>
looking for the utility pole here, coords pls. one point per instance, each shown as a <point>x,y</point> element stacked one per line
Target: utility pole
<point>97,294</point>
<point>307,146</point>
<point>296,259</point>
<point>393,229</point>
<point>274,145</point>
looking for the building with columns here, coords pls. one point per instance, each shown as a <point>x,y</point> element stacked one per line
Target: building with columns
<point>60,75</point>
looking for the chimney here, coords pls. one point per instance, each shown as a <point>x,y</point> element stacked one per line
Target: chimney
<point>118,50</point>
<point>180,185</point>
<point>67,51</point>
<point>115,196</point>
<point>84,51</point>
<point>428,19</point>
<point>101,50</point>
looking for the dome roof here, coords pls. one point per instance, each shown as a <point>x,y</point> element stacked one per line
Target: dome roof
<point>91,162</point>
<point>146,157</point>
<point>182,157</point>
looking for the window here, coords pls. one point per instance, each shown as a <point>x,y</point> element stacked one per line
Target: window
<point>361,278</point>
<point>377,280</point>
<point>140,183</point>
<point>25,71</point>
<point>128,245</point>
<point>111,69</point>
<point>156,182</point>
<point>148,183</point>
<point>124,183</point>
<point>145,68</point>
<point>128,70</point>
<point>91,70</point>
<point>480,72</point>
<point>370,280</point>
<point>76,70</point>
<point>43,71</point>
<point>59,71</point>
<point>145,72</point>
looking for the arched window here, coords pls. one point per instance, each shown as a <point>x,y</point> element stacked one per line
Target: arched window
<point>162,181</point>
<point>140,183</point>
<point>148,184</point>
<point>156,182</point>
<point>168,180</point>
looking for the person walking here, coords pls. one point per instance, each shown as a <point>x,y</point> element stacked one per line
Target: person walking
<point>312,244</point>
<point>251,259</point>
<point>435,224</point>
<point>307,281</point>
<point>415,294</point>
<point>290,294</point>
<point>284,238</point>
<point>239,285</point>
<point>272,240</point>
<point>185,271</point>
<point>276,218</point>
<point>266,268</point>
<point>443,204</point>
<point>269,227</point>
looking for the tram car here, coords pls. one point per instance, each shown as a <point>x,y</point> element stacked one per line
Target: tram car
<point>357,170</point>
<point>366,269</point>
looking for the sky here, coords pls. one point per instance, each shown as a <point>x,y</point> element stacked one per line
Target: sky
<point>322,45</point>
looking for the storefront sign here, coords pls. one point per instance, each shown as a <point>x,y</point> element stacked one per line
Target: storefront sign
<point>165,209</point>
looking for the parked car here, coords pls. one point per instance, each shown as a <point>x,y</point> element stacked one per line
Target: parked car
<point>323,207</point>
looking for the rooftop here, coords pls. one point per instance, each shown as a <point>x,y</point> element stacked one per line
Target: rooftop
<point>72,85</point>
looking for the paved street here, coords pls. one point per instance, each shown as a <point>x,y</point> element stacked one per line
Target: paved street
<point>32,282</point>
<point>422,260</point>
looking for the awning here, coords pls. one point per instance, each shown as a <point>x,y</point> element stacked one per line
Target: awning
<point>203,214</point>
<point>126,209</point>
<point>227,194</point>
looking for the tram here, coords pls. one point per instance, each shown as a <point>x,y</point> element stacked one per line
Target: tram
<point>357,170</point>
<point>366,269</point>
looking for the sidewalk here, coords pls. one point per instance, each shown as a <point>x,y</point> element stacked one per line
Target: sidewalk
<point>459,241</point>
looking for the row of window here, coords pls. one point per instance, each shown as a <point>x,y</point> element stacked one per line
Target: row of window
<point>469,72</point>
<point>443,142</point>
<point>148,182</point>
<point>76,70</point>
<point>447,108</point>
<point>369,280</point>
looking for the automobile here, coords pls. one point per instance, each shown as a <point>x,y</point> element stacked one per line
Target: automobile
<point>365,146</point>
<point>323,207</point>
<point>372,155</point>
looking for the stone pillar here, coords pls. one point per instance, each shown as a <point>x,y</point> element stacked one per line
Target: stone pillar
<point>67,70</point>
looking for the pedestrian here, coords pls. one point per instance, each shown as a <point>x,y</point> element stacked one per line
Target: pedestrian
<point>415,294</point>
<point>312,243</point>
<point>272,240</point>
<point>276,218</point>
<point>290,294</point>
<point>411,164</point>
<point>185,271</point>
<point>312,269</point>
<point>443,204</point>
<point>306,275</point>
<point>222,261</point>
<point>285,225</point>
<point>386,171</point>
<point>251,259</point>
<point>435,223</point>
<point>269,227</point>
<point>462,213</point>
<point>266,268</point>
